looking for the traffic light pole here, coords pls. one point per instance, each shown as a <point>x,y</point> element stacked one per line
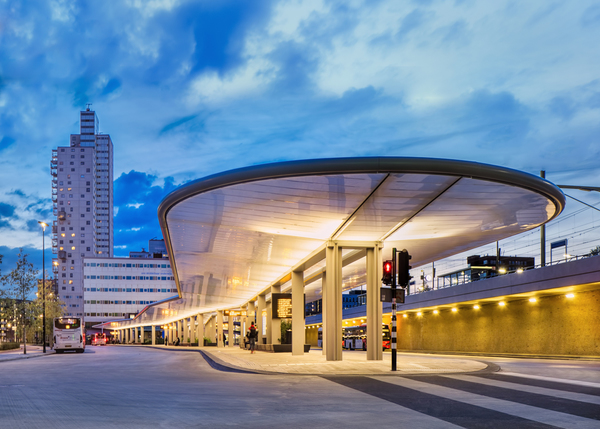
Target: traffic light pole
<point>394,271</point>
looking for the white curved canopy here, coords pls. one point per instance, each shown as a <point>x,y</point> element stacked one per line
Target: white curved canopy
<point>231,235</point>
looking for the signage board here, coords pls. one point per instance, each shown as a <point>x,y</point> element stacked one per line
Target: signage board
<point>234,313</point>
<point>281,305</point>
<point>386,295</point>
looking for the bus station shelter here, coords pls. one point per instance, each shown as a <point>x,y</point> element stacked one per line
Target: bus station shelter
<point>317,228</point>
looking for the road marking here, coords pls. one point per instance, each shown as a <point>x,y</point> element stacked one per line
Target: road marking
<point>556,380</point>
<point>541,415</point>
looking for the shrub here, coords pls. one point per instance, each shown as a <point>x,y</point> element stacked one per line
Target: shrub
<point>9,346</point>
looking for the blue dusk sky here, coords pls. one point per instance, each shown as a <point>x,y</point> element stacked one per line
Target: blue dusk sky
<point>190,88</point>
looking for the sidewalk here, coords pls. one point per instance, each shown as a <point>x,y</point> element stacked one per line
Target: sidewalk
<point>32,352</point>
<point>315,363</point>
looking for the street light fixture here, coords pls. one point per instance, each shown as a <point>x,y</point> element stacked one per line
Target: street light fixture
<point>43,225</point>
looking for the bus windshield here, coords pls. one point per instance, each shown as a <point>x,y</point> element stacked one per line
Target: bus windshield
<point>67,323</point>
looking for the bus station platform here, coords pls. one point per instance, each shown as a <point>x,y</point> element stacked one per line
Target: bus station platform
<point>315,363</point>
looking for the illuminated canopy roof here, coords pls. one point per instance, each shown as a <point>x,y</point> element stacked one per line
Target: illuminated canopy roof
<point>233,234</point>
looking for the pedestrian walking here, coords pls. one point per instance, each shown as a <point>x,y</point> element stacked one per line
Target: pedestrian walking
<point>252,336</point>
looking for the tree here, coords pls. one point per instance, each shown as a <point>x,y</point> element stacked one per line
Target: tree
<point>595,251</point>
<point>54,307</point>
<point>21,282</point>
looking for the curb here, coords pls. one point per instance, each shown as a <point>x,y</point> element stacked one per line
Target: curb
<point>21,357</point>
<point>220,365</point>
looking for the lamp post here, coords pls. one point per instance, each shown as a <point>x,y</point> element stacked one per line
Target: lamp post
<point>43,225</point>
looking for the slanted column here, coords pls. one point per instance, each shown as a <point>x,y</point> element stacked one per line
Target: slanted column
<point>273,323</point>
<point>332,311</point>
<point>298,334</point>
<point>374,309</point>
<point>220,342</point>
<point>259,319</point>
<point>153,333</point>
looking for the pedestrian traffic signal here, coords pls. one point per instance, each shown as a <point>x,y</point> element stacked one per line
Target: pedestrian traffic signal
<point>403,268</point>
<point>387,272</point>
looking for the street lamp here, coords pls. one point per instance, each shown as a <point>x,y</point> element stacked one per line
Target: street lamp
<point>43,225</point>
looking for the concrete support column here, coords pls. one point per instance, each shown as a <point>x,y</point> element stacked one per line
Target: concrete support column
<point>220,329</point>
<point>332,311</point>
<point>250,312</point>
<point>153,334</point>
<point>199,329</point>
<point>298,334</point>
<point>231,330</point>
<point>261,304</point>
<point>274,324</point>
<point>323,300</point>
<point>186,331</point>
<point>212,329</point>
<point>374,309</point>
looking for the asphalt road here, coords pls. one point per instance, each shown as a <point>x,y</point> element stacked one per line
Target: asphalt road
<point>136,387</point>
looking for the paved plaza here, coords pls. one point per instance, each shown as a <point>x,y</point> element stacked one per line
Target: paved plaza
<point>165,387</point>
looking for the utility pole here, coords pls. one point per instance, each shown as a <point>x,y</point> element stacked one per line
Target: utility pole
<point>543,234</point>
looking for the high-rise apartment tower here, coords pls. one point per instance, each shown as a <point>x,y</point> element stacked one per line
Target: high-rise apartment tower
<point>82,195</point>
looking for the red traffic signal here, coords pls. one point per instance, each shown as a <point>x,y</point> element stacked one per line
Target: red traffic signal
<point>388,269</point>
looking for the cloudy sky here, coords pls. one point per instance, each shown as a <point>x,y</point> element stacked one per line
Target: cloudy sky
<point>191,88</point>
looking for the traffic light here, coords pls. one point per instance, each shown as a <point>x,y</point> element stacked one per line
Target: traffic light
<point>387,273</point>
<point>403,268</point>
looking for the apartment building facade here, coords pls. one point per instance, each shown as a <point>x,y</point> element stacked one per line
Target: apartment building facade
<point>82,195</point>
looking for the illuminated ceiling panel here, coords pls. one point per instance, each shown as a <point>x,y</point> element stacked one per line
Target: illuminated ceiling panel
<point>233,234</point>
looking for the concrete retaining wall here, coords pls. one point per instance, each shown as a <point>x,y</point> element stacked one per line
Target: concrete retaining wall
<point>554,325</point>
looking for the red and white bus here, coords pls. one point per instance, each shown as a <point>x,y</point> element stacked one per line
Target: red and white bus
<point>355,337</point>
<point>99,339</point>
